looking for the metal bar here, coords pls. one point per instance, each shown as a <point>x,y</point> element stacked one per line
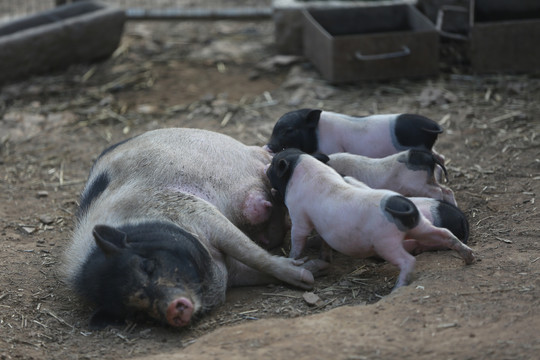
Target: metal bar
<point>405,51</point>
<point>199,13</point>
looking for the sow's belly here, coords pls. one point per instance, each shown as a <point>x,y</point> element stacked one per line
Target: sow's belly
<point>209,165</point>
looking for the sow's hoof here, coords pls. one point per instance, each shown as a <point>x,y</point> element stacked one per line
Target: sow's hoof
<point>55,39</point>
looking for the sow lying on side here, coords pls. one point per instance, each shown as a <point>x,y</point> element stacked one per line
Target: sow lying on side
<point>161,228</point>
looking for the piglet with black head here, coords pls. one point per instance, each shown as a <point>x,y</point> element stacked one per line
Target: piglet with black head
<point>313,130</point>
<point>410,173</point>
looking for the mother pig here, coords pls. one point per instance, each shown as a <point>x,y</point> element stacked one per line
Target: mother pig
<point>162,223</point>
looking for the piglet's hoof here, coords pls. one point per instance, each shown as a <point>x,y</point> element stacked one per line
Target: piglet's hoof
<point>317,267</point>
<point>469,258</point>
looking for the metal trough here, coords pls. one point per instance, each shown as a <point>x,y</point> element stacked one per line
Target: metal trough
<point>52,40</point>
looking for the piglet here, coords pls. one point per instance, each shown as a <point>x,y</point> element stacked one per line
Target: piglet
<point>351,217</point>
<point>410,173</point>
<point>376,136</point>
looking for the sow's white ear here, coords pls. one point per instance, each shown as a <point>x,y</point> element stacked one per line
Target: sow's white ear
<point>109,239</point>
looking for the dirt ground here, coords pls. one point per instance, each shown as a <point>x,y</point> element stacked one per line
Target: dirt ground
<point>225,77</point>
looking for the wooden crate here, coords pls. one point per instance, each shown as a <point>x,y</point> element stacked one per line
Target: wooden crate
<point>504,36</point>
<point>383,42</point>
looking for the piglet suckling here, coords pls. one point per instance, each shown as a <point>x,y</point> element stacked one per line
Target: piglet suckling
<point>351,217</point>
<point>312,130</point>
<point>410,173</point>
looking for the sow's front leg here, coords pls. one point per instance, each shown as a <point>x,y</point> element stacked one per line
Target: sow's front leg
<point>226,238</point>
<point>230,240</point>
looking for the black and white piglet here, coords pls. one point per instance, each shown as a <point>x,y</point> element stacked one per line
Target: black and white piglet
<point>351,217</point>
<point>376,136</point>
<point>167,222</point>
<point>410,173</point>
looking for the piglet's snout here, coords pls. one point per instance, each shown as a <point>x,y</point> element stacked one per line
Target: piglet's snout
<point>179,312</point>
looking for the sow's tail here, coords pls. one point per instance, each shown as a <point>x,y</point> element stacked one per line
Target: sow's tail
<point>452,218</point>
<point>401,211</point>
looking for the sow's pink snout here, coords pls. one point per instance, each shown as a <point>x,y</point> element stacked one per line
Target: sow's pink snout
<point>179,312</point>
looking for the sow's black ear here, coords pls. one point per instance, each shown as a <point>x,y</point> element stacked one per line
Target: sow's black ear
<point>312,118</point>
<point>321,157</point>
<point>109,239</point>
<point>100,319</point>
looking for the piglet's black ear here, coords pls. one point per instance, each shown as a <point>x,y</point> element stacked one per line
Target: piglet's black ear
<point>312,118</point>
<point>282,167</point>
<point>321,157</point>
<point>110,240</point>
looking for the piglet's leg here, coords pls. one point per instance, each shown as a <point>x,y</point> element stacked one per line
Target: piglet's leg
<point>415,248</point>
<point>427,234</point>
<point>437,192</point>
<point>411,246</point>
<point>394,253</point>
<point>448,195</point>
<point>299,235</point>
<point>326,252</point>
